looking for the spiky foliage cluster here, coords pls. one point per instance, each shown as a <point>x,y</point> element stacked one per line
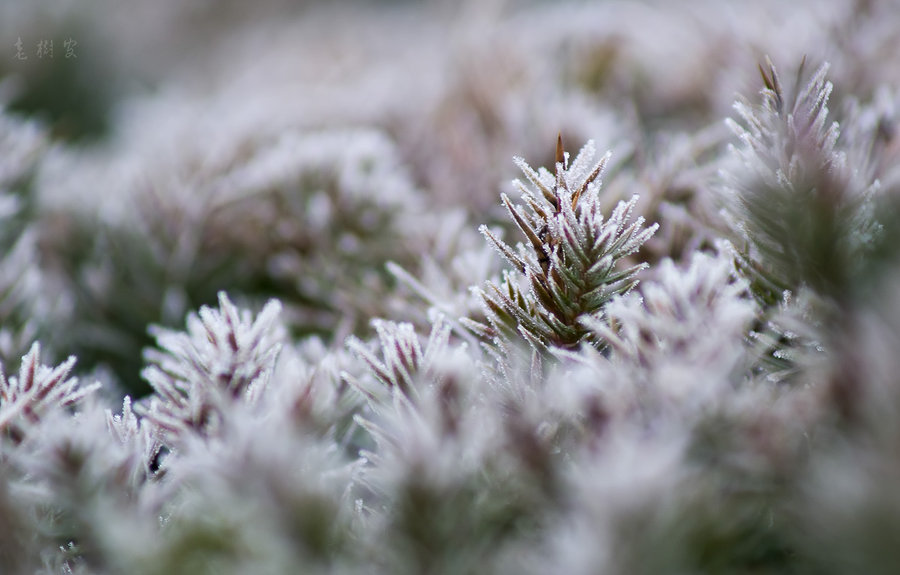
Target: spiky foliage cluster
<point>37,390</point>
<point>736,411</point>
<point>803,215</point>
<point>801,205</point>
<point>695,316</point>
<point>224,356</point>
<point>574,261</point>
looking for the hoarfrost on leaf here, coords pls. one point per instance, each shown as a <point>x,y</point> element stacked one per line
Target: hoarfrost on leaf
<point>37,390</point>
<point>225,355</point>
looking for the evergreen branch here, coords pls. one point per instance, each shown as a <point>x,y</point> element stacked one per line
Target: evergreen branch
<point>796,207</point>
<point>572,262</point>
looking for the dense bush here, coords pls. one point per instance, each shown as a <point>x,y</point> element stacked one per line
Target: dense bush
<point>283,315</point>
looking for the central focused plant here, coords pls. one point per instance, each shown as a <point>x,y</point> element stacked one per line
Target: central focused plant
<point>574,261</point>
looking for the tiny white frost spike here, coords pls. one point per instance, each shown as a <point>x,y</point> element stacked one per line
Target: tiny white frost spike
<point>135,434</point>
<point>570,266</point>
<point>38,389</point>
<point>125,426</point>
<point>224,356</point>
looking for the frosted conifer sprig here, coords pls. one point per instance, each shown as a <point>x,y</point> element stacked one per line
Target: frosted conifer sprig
<point>403,355</point>
<point>571,261</point>
<point>224,355</point>
<point>37,390</point>
<point>800,216</point>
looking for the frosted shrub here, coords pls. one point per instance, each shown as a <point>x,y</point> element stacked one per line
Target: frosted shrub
<point>276,321</point>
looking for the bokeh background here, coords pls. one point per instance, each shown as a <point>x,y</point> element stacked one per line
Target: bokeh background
<point>167,150</point>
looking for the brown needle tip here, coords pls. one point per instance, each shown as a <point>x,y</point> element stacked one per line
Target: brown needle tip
<point>560,157</point>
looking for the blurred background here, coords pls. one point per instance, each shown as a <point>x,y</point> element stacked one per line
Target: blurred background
<point>156,153</point>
